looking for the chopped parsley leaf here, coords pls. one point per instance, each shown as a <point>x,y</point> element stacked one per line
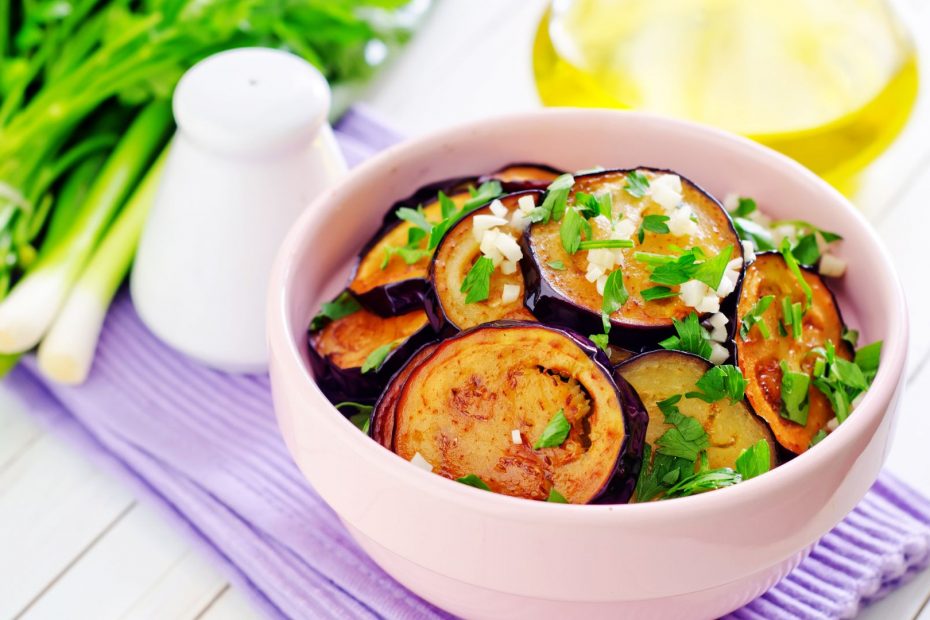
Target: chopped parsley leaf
<point>867,359</point>
<point>592,206</point>
<point>410,255</point>
<point>446,205</point>
<point>474,481</point>
<point>344,305</point>
<point>659,474</point>
<point>557,265</point>
<point>362,418</point>
<point>415,217</point>
<point>555,497</point>
<point>751,231</point>
<point>553,206</point>
<point>601,340</point>
<point>451,214</point>
<point>792,315</point>
<point>654,224</point>
<point>754,317</point>
<point>754,460</point>
<point>477,283</point>
<point>710,272</point>
<point>703,481</point>
<point>792,263</point>
<point>570,230</point>
<point>687,438</point>
<point>555,433</point>
<point>376,358</point>
<point>485,193</point>
<point>636,184</point>
<point>818,437</point>
<point>691,337</point>
<point>610,244</point>
<point>657,292</point>
<point>615,293</point>
<point>744,207</point>
<point>673,271</point>
<point>795,386</point>
<point>806,249</point>
<point>807,227</point>
<point>851,336</point>
<point>719,382</point>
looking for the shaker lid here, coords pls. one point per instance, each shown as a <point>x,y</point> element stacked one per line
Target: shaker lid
<point>251,99</point>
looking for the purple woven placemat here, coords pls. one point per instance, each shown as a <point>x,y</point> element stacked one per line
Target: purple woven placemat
<point>205,446</point>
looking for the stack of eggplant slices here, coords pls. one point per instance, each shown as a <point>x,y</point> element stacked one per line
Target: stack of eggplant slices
<point>607,336</point>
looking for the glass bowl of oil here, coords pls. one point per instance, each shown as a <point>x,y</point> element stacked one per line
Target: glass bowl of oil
<point>827,82</point>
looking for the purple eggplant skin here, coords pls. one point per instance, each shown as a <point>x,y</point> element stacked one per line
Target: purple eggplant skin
<point>620,486</point>
<point>381,423</point>
<point>552,307</point>
<point>619,489</point>
<point>396,297</point>
<point>438,318</point>
<point>521,185</point>
<point>350,384</point>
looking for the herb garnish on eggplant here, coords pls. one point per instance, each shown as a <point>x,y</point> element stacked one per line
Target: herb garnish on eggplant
<point>458,335</point>
<point>391,274</point>
<point>730,425</point>
<point>450,305</point>
<point>353,356</point>
<point>665,235</point>
<point>775,348</point>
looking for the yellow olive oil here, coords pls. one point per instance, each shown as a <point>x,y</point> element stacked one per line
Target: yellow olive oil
<point>827,82</point>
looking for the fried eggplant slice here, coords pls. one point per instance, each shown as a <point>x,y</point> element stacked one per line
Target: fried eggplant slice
<point>567,294</point>
<point>391,274</point>
<point>447,304</point>
<point>342,348</point>
<point>767,338</point>
<point>461,408</point>
<point>731,427</point>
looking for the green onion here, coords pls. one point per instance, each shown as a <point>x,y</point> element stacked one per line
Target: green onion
<point>67,351</point>
<point>31,307</point>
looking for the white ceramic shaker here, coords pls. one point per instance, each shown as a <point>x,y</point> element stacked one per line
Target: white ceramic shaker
<point>253,148</point>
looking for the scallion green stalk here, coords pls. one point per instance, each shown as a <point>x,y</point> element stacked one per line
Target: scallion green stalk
<point>30,308</point>
<point>66,353</point>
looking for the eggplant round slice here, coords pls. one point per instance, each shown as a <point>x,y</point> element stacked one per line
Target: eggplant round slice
<point>454,258</point>
<point>759,357</point>
<point>563,295</point>
<point>461,407</point>
<point>389,282</point>
<point>339,350</point>
<point>523,176</point>
<point>730,427</point>
<point>382,417</point>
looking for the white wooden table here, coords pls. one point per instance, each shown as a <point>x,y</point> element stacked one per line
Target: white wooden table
<point>75,543</point>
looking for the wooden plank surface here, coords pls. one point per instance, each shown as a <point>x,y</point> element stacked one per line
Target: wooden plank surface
<point>75,544</point>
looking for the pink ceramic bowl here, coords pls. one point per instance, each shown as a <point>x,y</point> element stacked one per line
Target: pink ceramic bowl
<point>482,555</point>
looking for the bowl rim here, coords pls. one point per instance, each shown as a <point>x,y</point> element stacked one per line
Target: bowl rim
<point>873,406</point>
